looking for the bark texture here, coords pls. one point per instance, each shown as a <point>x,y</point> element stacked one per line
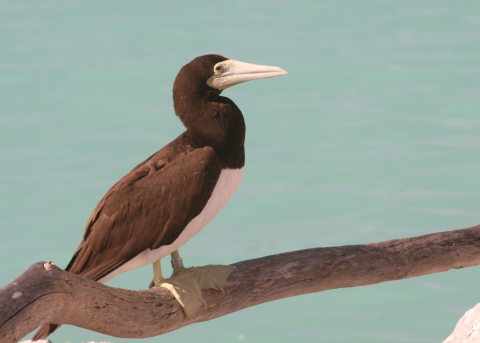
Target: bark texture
<point>47,294</point>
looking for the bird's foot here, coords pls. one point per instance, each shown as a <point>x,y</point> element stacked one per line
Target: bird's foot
<point>187,291</point>
<point>186,284</point>
<point>210,276</point>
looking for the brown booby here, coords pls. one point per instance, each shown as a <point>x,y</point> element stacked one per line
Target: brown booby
<point>167,199</point>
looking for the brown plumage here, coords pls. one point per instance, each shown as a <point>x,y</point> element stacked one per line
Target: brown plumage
<point>151,205</point>
<point>160,193</point>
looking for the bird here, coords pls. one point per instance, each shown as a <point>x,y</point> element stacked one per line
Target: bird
<point>168,198</point>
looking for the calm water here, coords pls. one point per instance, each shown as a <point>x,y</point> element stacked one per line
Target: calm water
<point>374,135</point>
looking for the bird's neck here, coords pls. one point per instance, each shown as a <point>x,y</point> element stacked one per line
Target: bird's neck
<point>214,121</point>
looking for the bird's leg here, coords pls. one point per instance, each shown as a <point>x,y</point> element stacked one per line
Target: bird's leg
<point>157,275</point>
<point>186,284</point>
<point>177,262</point>
<point>183,285</point>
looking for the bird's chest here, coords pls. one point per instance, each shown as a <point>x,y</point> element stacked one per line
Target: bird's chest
<point>227,184</point>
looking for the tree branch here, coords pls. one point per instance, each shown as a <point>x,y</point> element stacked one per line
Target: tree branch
<point>47,294</point>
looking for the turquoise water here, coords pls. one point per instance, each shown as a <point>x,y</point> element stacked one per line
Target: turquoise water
<point>374,135</point>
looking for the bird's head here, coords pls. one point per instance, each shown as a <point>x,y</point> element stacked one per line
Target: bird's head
<point>211,74</point>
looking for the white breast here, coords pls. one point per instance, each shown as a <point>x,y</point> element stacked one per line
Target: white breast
<point>227,184</point>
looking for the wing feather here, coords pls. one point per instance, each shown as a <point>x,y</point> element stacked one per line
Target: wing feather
<point>146,209</point>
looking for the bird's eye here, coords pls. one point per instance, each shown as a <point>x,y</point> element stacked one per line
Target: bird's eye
<point>218,68</point>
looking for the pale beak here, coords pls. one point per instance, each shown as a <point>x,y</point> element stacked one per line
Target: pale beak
<point>235,72</point>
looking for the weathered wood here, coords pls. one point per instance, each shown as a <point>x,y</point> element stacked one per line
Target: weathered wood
<point>45,294</point>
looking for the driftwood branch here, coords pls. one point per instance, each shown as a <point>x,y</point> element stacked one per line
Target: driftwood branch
<point>47,294</point>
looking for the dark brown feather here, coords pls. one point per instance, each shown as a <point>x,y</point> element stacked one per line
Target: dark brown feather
<point>150,206</point>
<point>146,209</point>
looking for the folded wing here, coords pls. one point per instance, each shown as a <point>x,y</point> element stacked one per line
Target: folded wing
<point>146,209</point>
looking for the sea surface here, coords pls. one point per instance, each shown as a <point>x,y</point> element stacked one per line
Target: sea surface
<point>373,135</point>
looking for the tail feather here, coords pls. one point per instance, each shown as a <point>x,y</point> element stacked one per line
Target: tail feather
<point>44,331</point>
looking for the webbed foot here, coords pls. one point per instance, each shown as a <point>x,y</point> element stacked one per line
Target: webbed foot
<point>186,284</point>
<point>184,287</point>
<point>210,276</point>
